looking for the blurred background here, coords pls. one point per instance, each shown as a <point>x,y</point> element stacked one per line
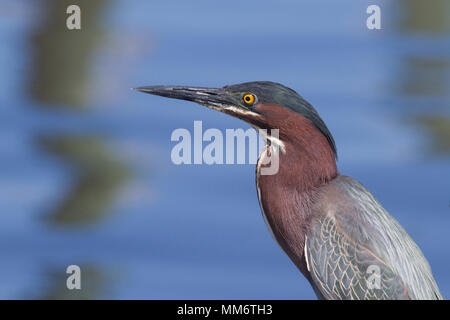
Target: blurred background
<point>86,176</point>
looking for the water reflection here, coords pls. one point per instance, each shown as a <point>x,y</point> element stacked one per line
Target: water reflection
<point>61,80</point>
<point>428,74</point>
<point>422,16</point>
<point>438,128</point>
<point>62,58</point>
<point>100,176</point>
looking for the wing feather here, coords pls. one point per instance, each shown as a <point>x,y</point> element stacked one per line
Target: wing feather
<point>355,250</point>
<point>341,269</point>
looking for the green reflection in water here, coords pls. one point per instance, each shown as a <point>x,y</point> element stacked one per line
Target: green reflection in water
<point>61,79</point>
<point>428,75</point>
<point>425,16</point>
<point>439,129</point>
<point>100,174</point>
<point>62,57</point>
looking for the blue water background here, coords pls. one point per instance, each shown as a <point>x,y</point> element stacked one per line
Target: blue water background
<point>141,227</point>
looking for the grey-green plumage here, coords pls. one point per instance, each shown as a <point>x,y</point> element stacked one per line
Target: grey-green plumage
<point>356,250</point>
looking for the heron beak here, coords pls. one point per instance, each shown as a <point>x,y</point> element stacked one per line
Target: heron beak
<point>214,98</point>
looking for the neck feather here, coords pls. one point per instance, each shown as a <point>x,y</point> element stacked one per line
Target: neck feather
<point>308,161</point>
<point>286,197</point>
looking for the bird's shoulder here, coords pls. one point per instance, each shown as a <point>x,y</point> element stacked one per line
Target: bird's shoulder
<point>354,209</point>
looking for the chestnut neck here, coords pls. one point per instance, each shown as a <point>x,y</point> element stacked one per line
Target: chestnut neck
<point>286,198</point>
<point>308,160</point>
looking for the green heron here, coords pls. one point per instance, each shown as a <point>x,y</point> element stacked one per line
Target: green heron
<point>333,229</point>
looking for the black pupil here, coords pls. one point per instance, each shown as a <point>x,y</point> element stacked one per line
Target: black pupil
<point>247,98</point>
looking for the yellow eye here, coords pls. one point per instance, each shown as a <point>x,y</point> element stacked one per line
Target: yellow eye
<point>248,98</point>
